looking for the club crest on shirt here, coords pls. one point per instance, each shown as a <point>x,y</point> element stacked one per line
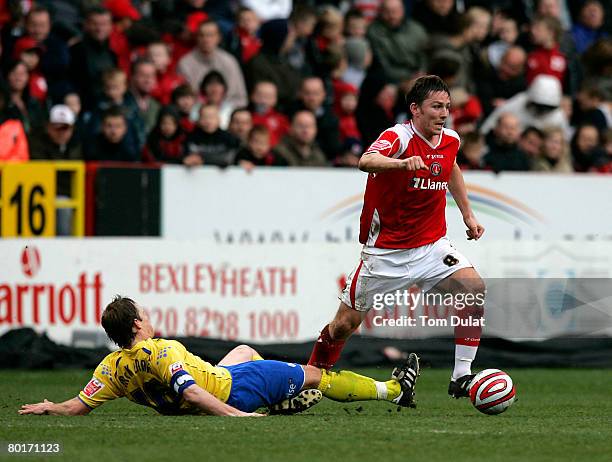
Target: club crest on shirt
<point>93,387</point>
<point>435,168</point>
<point>175,367</point>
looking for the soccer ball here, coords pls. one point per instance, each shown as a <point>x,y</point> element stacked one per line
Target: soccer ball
<point>492,391</point>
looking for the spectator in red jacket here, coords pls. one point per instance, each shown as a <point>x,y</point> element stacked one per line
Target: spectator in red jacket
<point>243,41</point>
<point>347,122</point>
<point>167,78</point>
<point>13,141</point>
<point>263,102</point>
<point>546,58</point>
<point>166,142</point>
<point>184,99</point>
<point>124,14</point>
<point>28,51</point>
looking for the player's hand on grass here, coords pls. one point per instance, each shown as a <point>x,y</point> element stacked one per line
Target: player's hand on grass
<point>414,163</point>
<point>475,230</point>
<point>36,409</point>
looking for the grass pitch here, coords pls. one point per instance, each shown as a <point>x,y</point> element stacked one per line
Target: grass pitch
<point>560,415</point>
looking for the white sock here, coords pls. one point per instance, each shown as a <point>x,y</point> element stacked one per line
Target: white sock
<point>464,355</point>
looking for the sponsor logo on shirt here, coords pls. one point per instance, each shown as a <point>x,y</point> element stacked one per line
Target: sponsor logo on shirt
<point>427,183</point>
<point>175,367</point>
<point>93,387</point>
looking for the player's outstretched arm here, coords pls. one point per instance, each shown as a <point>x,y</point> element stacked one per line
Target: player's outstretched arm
<point>374,162</point>
<point>200,398</point>
<point>73,406</point>
<point>456,185</point>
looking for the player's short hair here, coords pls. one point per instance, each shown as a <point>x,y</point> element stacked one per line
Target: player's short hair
<point>118,318</point>
<point>113,111</point>
<point>421,89</point>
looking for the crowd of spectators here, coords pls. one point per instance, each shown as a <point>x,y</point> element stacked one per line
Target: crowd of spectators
<point>303,83</point>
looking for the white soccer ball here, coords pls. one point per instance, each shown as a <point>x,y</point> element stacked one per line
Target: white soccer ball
<point>492,391</point>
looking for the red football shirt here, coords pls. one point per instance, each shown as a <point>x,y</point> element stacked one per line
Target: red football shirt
<point>405,209</point>
<point>543,61</point>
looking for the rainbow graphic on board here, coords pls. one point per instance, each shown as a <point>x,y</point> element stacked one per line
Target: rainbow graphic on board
<point>483,200</point>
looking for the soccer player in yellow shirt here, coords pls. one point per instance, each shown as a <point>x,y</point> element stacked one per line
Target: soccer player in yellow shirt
<point>163,375</point>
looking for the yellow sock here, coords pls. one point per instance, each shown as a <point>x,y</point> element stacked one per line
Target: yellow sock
<point>256,357</point>
<point>347,386</point>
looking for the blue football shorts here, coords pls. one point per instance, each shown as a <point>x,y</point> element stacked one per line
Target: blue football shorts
<point>261,383</point>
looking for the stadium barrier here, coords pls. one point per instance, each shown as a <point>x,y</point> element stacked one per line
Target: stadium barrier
<point>284,293</point>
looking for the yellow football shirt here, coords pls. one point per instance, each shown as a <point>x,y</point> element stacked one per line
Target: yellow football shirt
<point>154,373</point>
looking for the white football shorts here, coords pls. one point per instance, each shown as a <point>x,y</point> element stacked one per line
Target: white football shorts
<point>383,271</point>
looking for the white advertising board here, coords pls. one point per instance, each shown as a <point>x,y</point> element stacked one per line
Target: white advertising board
<point>279,292</point>
<point>324,205</point>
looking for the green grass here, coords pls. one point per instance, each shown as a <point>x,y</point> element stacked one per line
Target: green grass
<point>561,415</point>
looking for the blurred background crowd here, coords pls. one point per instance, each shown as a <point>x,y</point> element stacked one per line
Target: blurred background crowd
<point>303,83</point>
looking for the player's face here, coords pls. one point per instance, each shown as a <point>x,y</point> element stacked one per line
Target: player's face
<point>145,323</point>
<point>432,113</point>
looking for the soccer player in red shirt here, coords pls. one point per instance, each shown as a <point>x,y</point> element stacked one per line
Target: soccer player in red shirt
<point>403,228</point>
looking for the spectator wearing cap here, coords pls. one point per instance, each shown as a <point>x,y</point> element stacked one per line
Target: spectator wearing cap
<point>124,15</point>
<point>57,141</point>
<point>208,56</point>
<point>54,57</point>
<point>272,64</point>
<point>13,140</point>
<point>92,56</point>
<point>539,106</point>
<point>398,43</point>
